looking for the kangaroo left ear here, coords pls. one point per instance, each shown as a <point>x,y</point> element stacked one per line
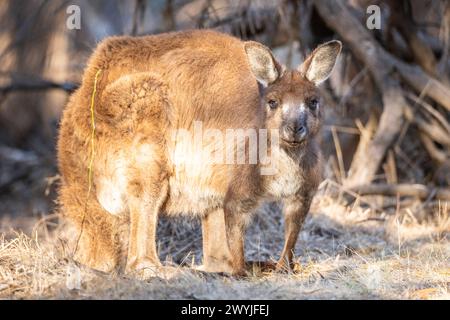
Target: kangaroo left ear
<point>318,66</point>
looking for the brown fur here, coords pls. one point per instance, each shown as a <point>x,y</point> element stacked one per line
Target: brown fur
<point>148,88</point>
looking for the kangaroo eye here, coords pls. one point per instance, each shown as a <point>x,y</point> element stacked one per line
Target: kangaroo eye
<point>272,104</point>
<point>313,104</point>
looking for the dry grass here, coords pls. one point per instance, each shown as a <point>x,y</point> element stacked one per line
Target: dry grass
<point>344,252</point>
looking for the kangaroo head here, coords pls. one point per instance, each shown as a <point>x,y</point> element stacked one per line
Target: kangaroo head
<point>290,97</point>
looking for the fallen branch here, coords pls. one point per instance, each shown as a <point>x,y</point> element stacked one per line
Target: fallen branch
<point>411,190</point>
<point>33,85</point>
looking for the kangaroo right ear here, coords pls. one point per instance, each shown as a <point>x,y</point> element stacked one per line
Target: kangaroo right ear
<point>262,63</point>
<point>319,65</point>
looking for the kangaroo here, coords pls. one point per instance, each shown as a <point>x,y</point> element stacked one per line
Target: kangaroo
<point>129,158</point>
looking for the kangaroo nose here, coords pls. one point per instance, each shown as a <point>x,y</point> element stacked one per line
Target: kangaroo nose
<point>301,130</point>
<point>291,129</point>
<point>298,129</point>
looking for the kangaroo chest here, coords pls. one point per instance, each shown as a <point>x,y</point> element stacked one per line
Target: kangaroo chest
<point>284,176</point>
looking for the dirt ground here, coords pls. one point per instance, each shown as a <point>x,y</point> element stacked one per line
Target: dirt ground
<point>344,252</point>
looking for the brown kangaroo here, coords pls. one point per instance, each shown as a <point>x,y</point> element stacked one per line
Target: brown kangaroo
<point>152,96</point>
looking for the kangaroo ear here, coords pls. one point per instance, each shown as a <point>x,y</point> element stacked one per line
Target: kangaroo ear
<point>320,63</point>
<point>262,63</point>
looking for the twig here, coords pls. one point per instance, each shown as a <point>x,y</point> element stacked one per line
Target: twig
<point>434,152</point>
<point>439,117</point>
<point>339,155</point>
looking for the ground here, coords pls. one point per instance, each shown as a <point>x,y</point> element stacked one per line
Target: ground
<point>345,251</point>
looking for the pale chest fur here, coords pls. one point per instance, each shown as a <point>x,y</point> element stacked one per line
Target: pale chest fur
<point>286,177</point>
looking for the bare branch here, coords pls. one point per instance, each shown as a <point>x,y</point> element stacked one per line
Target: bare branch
<point>39,84</point>
<point>412,190</point>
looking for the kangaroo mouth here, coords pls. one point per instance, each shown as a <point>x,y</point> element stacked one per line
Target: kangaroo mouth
<point>293,143</point>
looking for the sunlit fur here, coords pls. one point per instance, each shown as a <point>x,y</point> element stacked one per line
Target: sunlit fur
<point>148,89</point>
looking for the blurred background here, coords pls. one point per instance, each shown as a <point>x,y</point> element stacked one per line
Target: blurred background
<point>386,134</point>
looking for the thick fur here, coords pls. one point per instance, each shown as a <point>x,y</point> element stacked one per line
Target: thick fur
<point>150,87</point>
